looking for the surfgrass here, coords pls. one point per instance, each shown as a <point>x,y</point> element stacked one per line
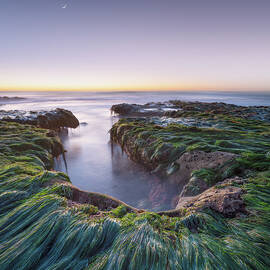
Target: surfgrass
<point>41,229</point>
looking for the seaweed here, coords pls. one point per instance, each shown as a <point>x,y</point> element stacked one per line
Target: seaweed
<point>42,228</point>
<point>153,145</point>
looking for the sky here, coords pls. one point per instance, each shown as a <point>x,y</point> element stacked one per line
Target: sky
<point>135,45</point>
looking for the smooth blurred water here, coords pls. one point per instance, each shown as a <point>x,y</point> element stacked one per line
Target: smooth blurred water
<point>92,163</point>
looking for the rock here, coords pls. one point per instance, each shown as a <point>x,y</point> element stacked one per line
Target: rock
<point>222,198</point>
<point>54,119</point>
<point>51,133</point>
<point>146,110</point>
<point>194,187</point>
<point>125,109</point>
<point>6,98</point>
<point>102,201</point>
<point>176,108</point>
<point>196,160</point>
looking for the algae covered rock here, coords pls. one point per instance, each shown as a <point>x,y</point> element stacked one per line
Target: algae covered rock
<point>196,160</point>
<point>18,140</point>
<point>125,108</point>
<point>224,199</point>
<point>146,110</point>
<point>195,186</point>
<point>207,143</point>
<point>53,119</point>
<point>179,108</point>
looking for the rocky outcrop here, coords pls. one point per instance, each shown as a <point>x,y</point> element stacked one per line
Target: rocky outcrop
<point>196,160</point>
<point>194,145</point>
<point>102,201</point>
<point>178,108</point>
<point>221,108</point>
<point>222,198</point>
<point>54,119</point>
<point>146,110</point>
<point>125,108</point>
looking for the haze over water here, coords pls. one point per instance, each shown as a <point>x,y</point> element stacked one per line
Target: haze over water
<point>92,163</point>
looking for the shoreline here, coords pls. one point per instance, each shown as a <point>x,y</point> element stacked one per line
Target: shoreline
<point>42,211</point>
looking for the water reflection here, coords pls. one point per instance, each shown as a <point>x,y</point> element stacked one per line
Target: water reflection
<point>146,190</point>
<point>95,164</point>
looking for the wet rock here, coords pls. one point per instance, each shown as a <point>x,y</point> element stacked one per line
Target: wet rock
<point>102,201</point>
<point>172,168</point>
<point>54,119</point>
<point>215,108</point>
<point>222,198</point>
<point>163,153</point>
<point>146,110</point>
<point>189,122</point>
<point>196,160</point>
<point>125,109</point>
<point>194,187</point>
<point>210,139</point>
<point>177,108</point>
<point>51,133</point>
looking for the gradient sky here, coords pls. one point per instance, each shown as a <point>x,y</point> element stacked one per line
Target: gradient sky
<point>134,44</point>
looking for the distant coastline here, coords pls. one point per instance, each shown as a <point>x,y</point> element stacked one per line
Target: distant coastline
<point>7,98</point>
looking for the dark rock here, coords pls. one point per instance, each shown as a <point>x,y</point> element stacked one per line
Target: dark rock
<point>125,109</point>
<point>147,110</point>
<point>51,133</point>
<point>54,119</point>
<point>176,108</point>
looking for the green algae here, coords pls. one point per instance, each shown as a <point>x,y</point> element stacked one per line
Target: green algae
<point>119,212</point>
<point>41,229</point>
<point>153,145</point>
<point>210,176</point>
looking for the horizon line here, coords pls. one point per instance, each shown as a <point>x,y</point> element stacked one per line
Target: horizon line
<point>130,90</point>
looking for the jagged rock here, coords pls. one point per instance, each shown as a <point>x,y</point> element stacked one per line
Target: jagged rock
<point>222,198</point>
<point>196,160</point>
<point>54,119</point>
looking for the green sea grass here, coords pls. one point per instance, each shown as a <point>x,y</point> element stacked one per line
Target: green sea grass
<point>40,228</point>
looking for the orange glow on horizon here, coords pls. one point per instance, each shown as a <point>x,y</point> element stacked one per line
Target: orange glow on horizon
<point>160,87</point>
